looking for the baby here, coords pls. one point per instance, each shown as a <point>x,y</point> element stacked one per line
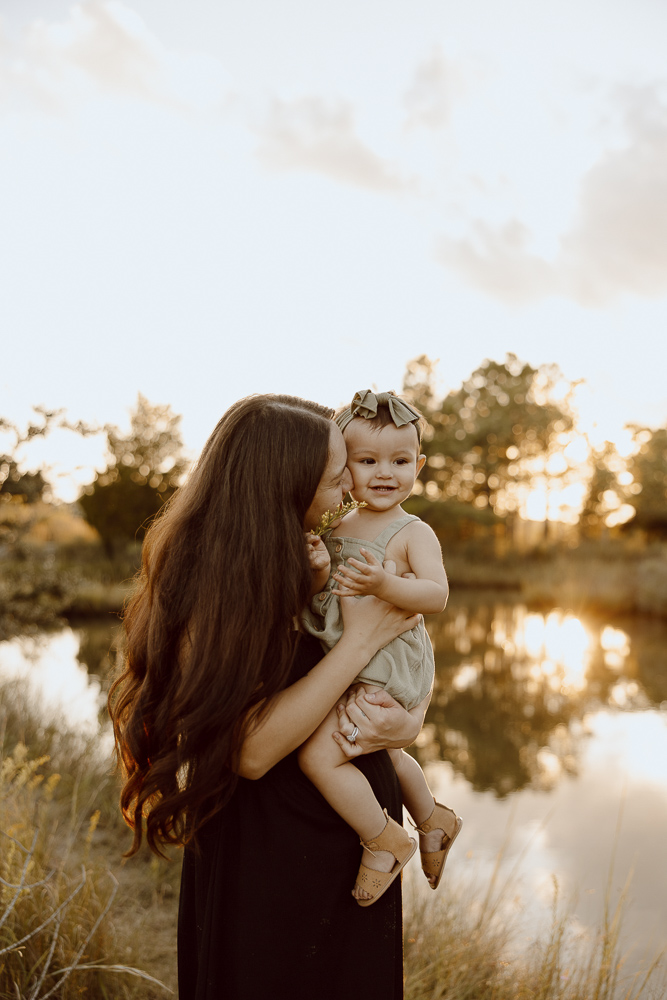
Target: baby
<point>383,438</point>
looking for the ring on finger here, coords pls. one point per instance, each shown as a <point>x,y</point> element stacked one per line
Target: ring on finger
<point>353,735</point>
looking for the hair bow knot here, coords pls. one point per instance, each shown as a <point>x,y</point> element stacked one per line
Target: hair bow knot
<point>366,403</point>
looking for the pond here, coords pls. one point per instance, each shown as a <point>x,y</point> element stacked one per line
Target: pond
<point>547,733</point>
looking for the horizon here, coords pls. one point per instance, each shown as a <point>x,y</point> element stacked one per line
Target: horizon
<point>247,199</point>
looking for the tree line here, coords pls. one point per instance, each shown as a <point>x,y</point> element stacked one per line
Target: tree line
<point>488,443</point>
<point>506,430</point>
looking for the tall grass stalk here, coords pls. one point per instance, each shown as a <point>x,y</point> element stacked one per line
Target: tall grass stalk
<point>468,943</point>
<point>55,936</point>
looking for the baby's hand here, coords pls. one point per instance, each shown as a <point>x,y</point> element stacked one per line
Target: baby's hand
<point>318,555</point>
<point>360,578</point>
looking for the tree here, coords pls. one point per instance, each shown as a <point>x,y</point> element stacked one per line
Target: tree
<point>419,384</point>
<point>28,485</point>
<point>14,482</point>
<point>604,494</point>
<point>144,469</point>
<point>494,432</point>
<point>648,492</point>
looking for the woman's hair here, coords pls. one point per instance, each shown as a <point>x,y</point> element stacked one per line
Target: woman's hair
<point>209,630</point>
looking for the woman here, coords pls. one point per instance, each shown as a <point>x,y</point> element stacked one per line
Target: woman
<point>219,691</point>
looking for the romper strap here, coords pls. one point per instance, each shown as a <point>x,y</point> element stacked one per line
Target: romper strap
<point>392,529</point>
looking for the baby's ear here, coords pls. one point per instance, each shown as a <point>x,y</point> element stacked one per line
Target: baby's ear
<point>420,463</point>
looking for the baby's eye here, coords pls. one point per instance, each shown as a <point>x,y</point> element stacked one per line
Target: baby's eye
<point>402,461</point>
<point>367,461</point>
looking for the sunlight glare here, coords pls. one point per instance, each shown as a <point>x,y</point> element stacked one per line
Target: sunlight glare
<point>58,683</point>
<point>567,642</point>
<point>616,646</point>
<point>466,676</point>
<point>549,765</point>
<point>533,635</point>
<point>559,644</point>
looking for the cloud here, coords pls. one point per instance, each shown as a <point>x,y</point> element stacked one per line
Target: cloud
<point>619,240</point>
<point>498,262</point>
<point>616,244</point>
<point>317,136</point>
<point>106,45</point>
<point>107,42</point>
<point>428,100</point>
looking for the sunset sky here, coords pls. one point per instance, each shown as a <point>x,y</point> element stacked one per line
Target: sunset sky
<point>205,200</point>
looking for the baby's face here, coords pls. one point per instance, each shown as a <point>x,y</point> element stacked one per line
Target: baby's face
<point>384,463</point>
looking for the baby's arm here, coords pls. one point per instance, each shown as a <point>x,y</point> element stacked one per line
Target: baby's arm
<point>319,561</point>
<point>426,594</point>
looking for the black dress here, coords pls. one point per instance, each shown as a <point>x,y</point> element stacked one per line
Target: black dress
<point>265,908</point>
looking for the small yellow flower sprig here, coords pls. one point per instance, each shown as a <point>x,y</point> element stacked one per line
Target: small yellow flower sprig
<point>330,517</point>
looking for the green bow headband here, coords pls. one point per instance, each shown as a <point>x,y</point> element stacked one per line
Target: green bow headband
<point>366,403</point>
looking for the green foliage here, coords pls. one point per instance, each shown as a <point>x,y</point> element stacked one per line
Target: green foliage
<point>145,467</point>
<point>649,471</point>
<point>497,430</point>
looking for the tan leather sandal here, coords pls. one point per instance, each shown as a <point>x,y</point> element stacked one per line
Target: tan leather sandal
<point>395,840</point>
<point>445,819</point>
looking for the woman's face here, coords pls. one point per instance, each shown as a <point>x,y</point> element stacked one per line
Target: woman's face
<point>336,481</point>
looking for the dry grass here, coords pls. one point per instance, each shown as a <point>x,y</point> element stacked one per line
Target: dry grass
<point>76,922</point>
<point>469,943</point>
<point>56,938</point>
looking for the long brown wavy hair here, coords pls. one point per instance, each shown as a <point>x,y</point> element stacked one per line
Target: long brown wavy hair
<point>209,630</point>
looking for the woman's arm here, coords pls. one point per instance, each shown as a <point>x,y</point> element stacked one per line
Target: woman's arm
<point>383,724</point>
<point>295,713</point>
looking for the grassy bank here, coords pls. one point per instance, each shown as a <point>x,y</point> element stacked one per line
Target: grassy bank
<point>41,585</point>
<point>606,579</point>
<point>80,923</point>
<point>462,946</point>
<point>74,919</point>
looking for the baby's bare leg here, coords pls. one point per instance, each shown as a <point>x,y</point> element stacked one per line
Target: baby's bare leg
<point>346,790</point>
<point>417,796</point>
<point>417,799</point>
<point>343,786</point>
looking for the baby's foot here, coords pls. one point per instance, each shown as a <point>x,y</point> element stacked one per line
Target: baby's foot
<point>436,836</point>
<point>434,840</point>
<point>380,861</point>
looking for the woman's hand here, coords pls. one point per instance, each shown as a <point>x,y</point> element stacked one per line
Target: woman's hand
<point>381,723</point>
<point>370,623</point>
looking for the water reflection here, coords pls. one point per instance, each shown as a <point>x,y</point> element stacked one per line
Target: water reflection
<point>546,724</point>
<point>592,833</point>
<point>64,672</point>
<point>514,688</point>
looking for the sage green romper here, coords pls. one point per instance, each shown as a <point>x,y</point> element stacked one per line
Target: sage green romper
<point>404,667</point>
